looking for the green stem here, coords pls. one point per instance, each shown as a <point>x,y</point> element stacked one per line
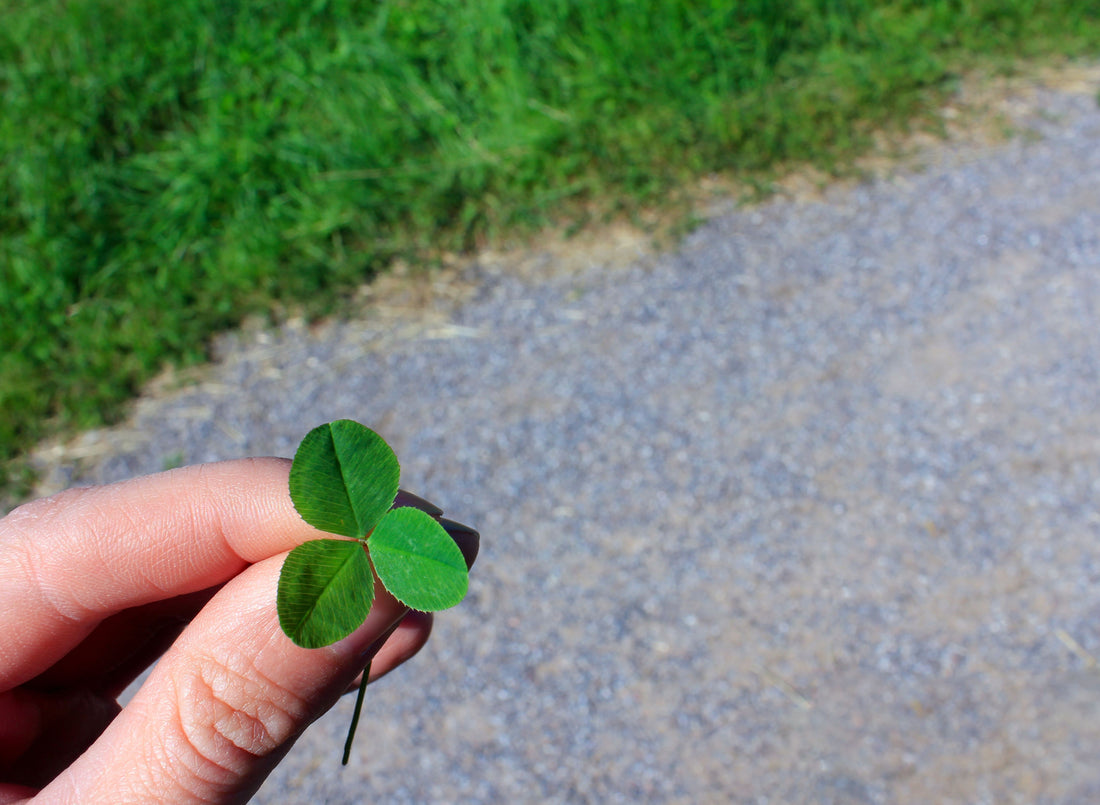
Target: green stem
<point>355,715</point>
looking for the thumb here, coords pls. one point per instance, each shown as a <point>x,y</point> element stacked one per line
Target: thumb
<point>223,705</point>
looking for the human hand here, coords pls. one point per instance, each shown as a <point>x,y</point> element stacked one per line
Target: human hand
<point>96,583</point>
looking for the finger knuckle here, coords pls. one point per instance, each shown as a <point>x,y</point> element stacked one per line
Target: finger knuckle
<point>230,712</point>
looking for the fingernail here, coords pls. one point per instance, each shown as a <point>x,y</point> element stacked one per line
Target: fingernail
<point>355,648</point>
<point>409,499</point>
<point>368,653</point>
<point>466,538</point>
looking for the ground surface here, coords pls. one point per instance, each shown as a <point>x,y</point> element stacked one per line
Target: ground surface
<point>806,511</point>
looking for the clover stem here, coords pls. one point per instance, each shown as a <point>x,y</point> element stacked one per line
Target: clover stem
<point>355,715</point>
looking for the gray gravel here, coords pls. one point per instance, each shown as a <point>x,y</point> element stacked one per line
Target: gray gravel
<point>806,511</point>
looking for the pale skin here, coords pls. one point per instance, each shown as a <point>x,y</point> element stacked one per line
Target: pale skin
<point>96,583</point>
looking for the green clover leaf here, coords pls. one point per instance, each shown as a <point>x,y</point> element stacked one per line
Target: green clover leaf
<point>344,481</point>
<point>344,478</point>
<point>325,591</point>
<point>417,561</point>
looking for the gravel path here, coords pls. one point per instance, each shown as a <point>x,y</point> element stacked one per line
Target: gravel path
<point>804,512</point>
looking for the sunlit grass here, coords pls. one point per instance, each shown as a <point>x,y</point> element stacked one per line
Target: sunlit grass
<point>168,168</point>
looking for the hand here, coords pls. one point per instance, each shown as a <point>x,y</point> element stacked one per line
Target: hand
<point>96,583</point>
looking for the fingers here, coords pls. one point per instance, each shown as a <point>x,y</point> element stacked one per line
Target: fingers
<point>103,578</point>
<point>127,643</point>
<point>68,562</point>
<point>408,637</point>
<point>225,702</point>
<point>42,733</point>
<point>122,647</point>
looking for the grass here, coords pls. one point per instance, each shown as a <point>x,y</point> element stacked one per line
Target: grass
<point>169,168</point>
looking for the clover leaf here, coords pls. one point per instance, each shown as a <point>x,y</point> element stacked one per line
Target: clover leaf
<point>344,478</point>
<point>325,590</point>
<point>417,561</point>
<point>344,481</point>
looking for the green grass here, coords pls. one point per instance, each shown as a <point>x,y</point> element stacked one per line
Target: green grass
<point>168,168</point>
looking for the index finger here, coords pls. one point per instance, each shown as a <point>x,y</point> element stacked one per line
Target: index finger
<point>69,561</point>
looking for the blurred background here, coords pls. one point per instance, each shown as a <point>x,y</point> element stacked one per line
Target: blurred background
<point>169,169</point>
<point>776,414</point>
